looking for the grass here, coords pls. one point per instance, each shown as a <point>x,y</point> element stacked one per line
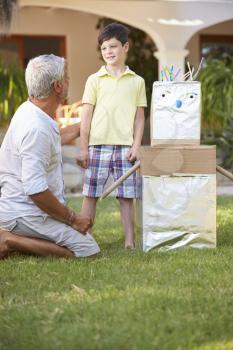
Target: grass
<point>121,299</point>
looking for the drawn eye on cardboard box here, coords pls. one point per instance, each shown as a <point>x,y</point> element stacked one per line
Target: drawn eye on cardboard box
<point>176,113</point>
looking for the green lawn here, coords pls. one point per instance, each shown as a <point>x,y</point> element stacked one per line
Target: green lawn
<point>121,299</point>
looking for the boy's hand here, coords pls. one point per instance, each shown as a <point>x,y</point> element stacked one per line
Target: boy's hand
<point>132,154</point>
<point>81,223</point>
<point>82,159</point>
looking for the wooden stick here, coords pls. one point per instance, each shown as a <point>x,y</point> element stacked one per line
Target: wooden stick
<point>120,180</point>
<point>224,172</point>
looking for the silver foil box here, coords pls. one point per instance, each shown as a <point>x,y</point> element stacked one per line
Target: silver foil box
<point>175,211</point>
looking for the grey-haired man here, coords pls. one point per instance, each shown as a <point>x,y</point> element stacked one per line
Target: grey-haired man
<point>33,215</point>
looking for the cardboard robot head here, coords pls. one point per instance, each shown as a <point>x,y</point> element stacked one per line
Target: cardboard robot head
<point>175,112</point>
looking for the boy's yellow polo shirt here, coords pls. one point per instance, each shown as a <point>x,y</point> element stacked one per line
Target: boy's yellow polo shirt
<point>116,101</point>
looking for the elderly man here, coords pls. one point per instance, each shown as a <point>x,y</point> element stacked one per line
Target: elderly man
<point>33,215</point>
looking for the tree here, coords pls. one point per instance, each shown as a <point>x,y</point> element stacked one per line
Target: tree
<point>6,10</point>
<point>13,90</point>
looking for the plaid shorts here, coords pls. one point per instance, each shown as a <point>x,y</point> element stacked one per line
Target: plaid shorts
<point>105,160</point>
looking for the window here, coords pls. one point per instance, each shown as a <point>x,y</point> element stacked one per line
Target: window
<point>22,48</point>
<point>216,46</point>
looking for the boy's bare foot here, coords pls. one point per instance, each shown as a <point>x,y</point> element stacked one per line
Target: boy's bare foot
<point>4,249</point>
<point>130,246</point>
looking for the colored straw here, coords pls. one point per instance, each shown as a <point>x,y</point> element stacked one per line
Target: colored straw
<point>177,73</point>
<point>162,75</point>
<point>199,68</point>
<point>185,76</point>
<point>171,72</point>
<point>164,69</point>
<point>190,72</point>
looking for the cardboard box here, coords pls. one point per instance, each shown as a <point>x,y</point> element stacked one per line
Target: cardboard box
<point>176,113</point>
<point>176,211</point>
<point>177,201</point>
<point>157,161</point>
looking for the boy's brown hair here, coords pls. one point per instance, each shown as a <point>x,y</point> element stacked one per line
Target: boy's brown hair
<point>114,30</point>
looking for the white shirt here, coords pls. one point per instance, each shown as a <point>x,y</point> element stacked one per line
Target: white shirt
<point>30,162</point>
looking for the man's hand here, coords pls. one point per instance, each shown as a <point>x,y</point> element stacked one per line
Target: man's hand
<point>81,223</point>
<point>69,133</point>
<point>132,154</point>
<point>82,159</point>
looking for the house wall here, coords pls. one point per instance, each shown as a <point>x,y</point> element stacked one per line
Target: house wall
<point>81,39</point>
<point>225,28</point>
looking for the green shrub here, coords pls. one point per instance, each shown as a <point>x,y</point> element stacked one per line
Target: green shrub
<point>12,90</point>
<point>217,107</point>
<point>217,94</point>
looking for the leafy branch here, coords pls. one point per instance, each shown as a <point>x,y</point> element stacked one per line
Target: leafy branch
<point>12,91</point>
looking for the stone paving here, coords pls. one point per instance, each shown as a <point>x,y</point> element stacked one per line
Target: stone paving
<point>224,186</point>
<point>225,190</point>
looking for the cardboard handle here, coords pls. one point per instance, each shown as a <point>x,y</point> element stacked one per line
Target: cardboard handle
<point>224,172</point>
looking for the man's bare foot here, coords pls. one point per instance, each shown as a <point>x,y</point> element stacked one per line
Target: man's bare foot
<point>4,249</point>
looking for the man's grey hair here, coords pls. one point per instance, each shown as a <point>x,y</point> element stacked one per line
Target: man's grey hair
<point>41,73</point>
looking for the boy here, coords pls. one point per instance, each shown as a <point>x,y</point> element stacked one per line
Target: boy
<point>112,126</point>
